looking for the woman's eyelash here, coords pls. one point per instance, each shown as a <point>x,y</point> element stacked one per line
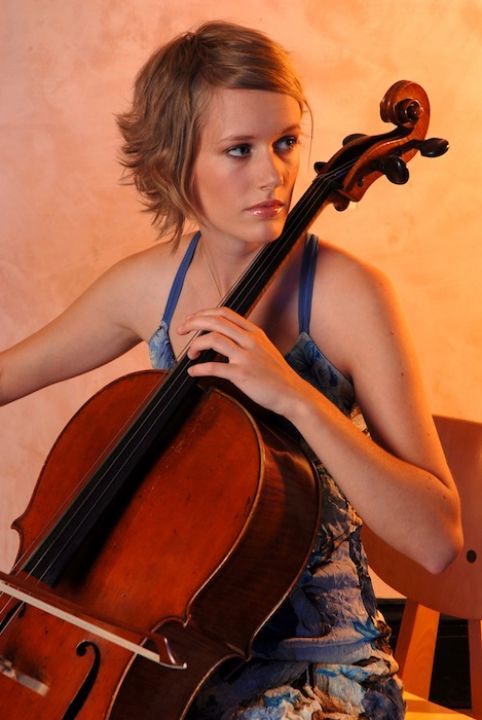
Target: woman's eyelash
<point>289,140</point>
<point>244,149</point>
<point>241,150</point>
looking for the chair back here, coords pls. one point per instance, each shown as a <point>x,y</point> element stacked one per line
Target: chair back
<point>456,591</point>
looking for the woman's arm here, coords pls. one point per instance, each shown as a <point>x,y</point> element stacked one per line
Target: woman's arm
<point>399,482</point>
<point>95,329</point>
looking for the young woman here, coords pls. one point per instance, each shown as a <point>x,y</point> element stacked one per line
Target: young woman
<point>213,137</point>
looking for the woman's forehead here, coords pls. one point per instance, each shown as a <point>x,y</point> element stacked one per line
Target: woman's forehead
<point>236,114</point>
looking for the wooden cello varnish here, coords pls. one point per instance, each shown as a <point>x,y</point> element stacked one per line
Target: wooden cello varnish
<point>204,548</point>
<point>163,508</point>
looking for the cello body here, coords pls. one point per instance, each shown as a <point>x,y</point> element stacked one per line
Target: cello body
<point>210,527</point>
<point>225,502</point>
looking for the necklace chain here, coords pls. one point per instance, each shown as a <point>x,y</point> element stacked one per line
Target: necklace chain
<point>211,272</point>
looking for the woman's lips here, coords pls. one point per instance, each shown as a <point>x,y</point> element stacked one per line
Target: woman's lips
<point>266,209</point>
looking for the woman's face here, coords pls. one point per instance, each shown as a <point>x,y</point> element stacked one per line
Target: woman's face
<point>247,164</point>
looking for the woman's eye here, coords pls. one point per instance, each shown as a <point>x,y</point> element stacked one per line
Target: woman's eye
<point>239,150</point>
<point>285,144</point>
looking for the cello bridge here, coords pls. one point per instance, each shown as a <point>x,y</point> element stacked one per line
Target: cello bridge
<point>7,668</point>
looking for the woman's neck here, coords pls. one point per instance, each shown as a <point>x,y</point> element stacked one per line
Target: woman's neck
<point>223,260</point>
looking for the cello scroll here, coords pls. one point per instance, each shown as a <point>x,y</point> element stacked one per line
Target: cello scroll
<point>363,158</point>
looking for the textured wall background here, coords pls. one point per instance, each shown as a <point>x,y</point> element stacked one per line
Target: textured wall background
<point>67,67</point>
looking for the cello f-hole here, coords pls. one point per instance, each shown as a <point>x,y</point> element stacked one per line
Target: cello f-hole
<point>86,687</point>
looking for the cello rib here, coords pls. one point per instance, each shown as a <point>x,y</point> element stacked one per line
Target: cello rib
<point>228,500</point>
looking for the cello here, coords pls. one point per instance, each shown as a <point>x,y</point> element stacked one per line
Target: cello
<point>163,499</point>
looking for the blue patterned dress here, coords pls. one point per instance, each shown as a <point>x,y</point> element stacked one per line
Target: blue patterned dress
<point>324,653</point>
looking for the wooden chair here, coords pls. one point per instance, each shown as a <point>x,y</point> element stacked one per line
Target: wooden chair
<point>457,591</point>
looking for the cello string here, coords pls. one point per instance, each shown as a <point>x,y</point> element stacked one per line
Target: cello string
<point>170,400</point>
<point>4,596</point>
<point>182,382</point>
<point>310,198</point>
<point>59,511</point>
<point>113,479</point>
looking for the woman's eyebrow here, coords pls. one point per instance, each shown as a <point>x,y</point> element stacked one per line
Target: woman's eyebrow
<point>247,138</point>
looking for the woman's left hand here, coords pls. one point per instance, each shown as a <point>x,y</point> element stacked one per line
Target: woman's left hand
<point>253,364</point>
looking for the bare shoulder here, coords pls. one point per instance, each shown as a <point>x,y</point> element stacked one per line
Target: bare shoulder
<point>353,301</point>
<point>135,288</point>
<point>145,267</point>
<point>367,334</point>
<point>117,311</point>
<point>346,274</point>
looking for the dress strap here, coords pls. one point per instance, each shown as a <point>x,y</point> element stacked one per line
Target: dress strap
<point>178,281</point>
<point>307,277</point>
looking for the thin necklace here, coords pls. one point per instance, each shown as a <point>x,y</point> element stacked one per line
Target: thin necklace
<point>211,272</point>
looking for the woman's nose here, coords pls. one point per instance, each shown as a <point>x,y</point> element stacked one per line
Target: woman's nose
<point>271,171</point>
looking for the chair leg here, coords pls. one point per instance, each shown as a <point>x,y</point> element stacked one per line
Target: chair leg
<point>416,647</point>
<point>475,654</point>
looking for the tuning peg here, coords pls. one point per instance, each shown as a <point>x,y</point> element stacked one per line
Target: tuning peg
<point>353,136</point>
<point>433,147</point>
<point>394,168</point>
<point>318,166</point>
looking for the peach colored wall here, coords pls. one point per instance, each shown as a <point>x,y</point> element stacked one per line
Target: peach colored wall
<point>67,67</point>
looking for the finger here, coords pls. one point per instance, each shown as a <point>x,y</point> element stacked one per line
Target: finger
<point>211,369</point>
<point>214,324</point>
<point>233,317</point>
<point>226,313</point>
<point>218,342</point>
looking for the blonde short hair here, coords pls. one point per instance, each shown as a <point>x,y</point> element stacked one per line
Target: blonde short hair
<point>161,130</point>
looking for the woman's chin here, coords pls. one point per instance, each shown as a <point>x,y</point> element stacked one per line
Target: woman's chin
<point>268,231</point>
